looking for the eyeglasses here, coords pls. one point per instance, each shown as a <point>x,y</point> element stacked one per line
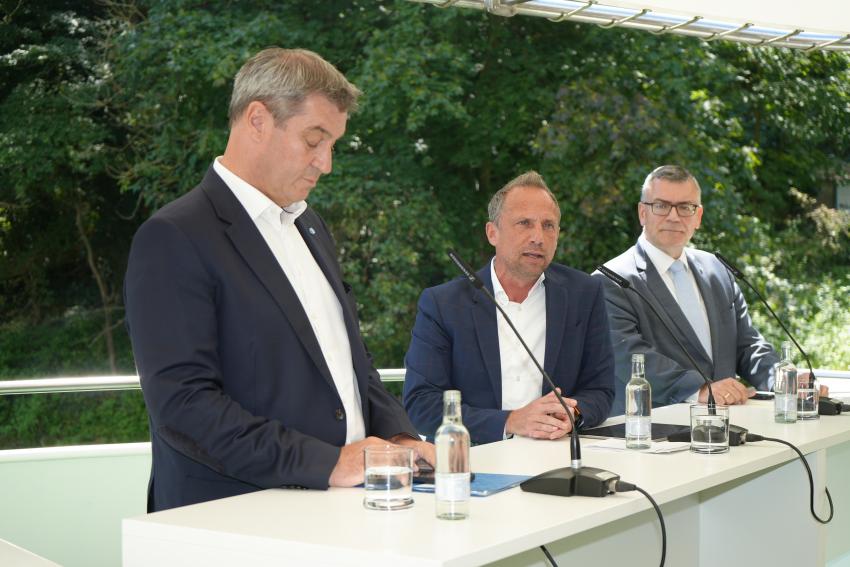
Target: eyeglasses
<point>661,208</point>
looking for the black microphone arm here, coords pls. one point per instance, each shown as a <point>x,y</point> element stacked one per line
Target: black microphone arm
<point>569,481</point>
<point>575,447</point>
<point>624,283</point>
<point>740,275</point>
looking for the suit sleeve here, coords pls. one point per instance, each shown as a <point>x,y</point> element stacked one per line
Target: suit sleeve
<point>429,373</point>
<point>387,417</point>
<point>755,357</point>
<point>595,388</point>
<point>171,310</point>
<point>671,383</point>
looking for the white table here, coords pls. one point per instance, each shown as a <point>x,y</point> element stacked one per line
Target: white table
<point>749,506</point>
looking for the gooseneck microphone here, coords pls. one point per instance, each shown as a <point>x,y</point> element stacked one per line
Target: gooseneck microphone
<point>737,435</point>
<point>567,481</point>
<point>740,275</point>
<point>624,283</point>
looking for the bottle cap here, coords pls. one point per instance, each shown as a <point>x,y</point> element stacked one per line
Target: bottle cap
<point>451,396</point>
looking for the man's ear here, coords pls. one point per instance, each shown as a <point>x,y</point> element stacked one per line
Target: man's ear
<point>258,119</point>
<point>642,214</point>
<point>492,232</point>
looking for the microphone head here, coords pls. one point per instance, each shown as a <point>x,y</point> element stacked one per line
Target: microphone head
<point>735,271</point>
<point>466,270</point>
<point>614,276</point>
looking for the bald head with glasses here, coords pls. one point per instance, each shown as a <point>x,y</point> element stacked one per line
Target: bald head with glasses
<point>670,208</point>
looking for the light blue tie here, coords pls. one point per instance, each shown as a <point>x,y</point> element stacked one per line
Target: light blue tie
<point>689,303</point>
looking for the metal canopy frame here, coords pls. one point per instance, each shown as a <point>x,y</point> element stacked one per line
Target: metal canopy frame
<point>593,12</point>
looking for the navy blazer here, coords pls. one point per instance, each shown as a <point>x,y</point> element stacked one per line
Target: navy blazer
<point>239,394</point>
<point>455,345</point>
<point>737,347</point>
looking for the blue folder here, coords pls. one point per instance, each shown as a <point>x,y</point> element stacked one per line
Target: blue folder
<point>484,484</point>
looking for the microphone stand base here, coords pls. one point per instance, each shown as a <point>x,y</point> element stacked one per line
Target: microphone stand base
<point>585,481</point>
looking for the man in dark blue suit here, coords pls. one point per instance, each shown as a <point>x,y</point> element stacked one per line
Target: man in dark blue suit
<point>459,342</point>
<point>245,336</point>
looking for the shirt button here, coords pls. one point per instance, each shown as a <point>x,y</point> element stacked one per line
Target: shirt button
<point>339,414</point>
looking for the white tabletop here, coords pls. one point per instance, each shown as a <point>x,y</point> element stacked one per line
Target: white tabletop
<point>332,527</point>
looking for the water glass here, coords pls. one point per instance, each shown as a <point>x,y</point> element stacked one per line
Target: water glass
<point>808,396</point>
<point>389,477</point>
<point>709,429</point>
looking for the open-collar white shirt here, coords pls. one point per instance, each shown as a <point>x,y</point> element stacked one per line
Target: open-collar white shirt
<point>521,380</point>
<point>317,297</point>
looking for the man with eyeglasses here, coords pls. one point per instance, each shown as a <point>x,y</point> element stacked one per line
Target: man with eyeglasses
<point>701,301</point>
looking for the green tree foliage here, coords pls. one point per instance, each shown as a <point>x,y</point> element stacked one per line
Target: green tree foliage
<point>110,110</point>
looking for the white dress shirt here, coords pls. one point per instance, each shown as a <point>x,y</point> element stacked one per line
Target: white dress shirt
<point>521,380</point>
<point>324,311</point>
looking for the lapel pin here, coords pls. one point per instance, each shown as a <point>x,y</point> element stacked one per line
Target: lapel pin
<point>312,230</point>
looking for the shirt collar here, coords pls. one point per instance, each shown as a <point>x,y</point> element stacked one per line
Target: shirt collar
<point>499,292</point>
<point>254,201</point>
<point>660,259</point>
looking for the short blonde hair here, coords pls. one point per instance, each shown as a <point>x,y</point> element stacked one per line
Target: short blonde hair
<point>528,179</point>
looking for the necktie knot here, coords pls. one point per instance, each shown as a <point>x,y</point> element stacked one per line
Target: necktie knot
<point>677,267</point>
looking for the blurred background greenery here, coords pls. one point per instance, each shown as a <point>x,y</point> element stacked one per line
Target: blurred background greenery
<point>108,110</point>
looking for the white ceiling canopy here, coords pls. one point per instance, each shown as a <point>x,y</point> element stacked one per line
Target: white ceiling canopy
<point>812,25</point>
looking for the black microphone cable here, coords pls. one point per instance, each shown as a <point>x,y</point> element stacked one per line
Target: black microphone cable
<point>628,487</point>
<point>754,437</point>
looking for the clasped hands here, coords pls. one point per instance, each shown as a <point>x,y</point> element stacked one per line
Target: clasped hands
<point>544,418</point>
<point>730,391</point>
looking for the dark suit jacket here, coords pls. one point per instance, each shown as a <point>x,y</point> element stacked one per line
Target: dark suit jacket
<point>737,347</point>
<point>239,395</point>
<point>455,345</point>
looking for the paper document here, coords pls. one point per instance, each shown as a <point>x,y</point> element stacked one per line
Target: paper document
<point>620,444</point>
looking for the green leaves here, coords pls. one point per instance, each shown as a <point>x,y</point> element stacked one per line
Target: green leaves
<point>123,108</point>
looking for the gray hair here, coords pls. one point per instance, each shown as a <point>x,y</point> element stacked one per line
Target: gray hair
<point>528,179</point>
<point>282,78</point>
<point>674,173</point>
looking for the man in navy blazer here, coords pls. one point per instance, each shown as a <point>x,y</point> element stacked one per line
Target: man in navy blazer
<point>721,337</point>
<point>245,336</point>
<point>459,343</point>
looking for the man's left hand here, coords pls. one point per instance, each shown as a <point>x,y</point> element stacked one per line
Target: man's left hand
<point>421,449</point>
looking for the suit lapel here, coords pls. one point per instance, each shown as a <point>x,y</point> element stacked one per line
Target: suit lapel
<point>557,318</point>
<point>249,243</point>
<point>666,303</point>
<point>487,332</point>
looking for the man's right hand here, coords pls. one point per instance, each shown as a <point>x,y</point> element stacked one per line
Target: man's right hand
<point>349,467</point>
<point>544,418</point>
<point>727,392</point>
